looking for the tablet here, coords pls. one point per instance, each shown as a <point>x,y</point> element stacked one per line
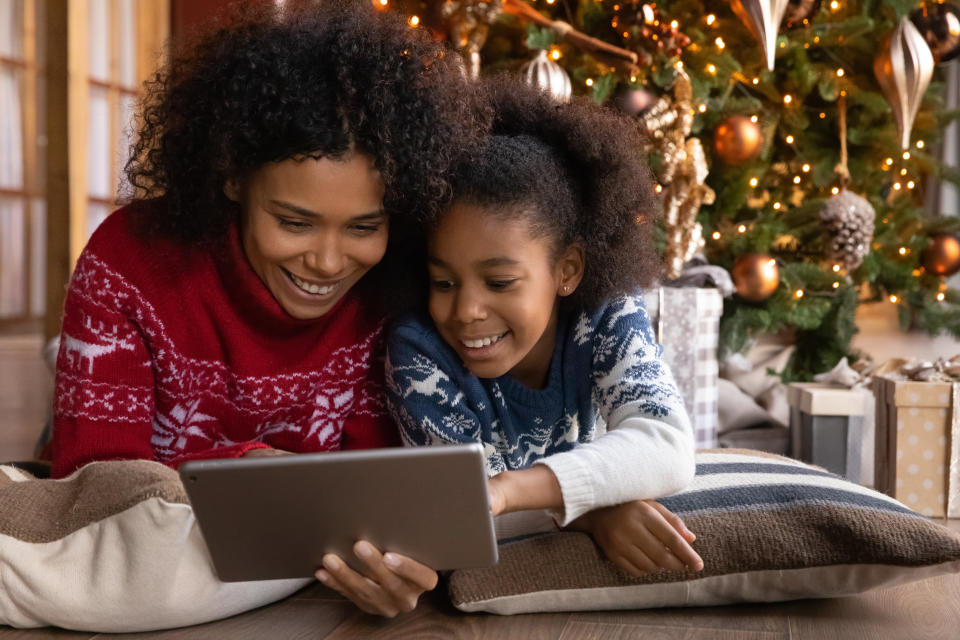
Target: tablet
<point>270,518</point>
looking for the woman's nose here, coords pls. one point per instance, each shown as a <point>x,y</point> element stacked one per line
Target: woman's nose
<point>326,257</point>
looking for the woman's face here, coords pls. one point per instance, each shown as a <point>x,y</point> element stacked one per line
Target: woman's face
<point>312,228</point>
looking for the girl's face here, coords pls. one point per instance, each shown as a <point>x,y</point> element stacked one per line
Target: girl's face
<point>493,292</point>
<point>312,228</point>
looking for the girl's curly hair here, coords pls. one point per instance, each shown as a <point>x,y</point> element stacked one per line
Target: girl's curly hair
<point>314,79</point>
<point>575,173</point>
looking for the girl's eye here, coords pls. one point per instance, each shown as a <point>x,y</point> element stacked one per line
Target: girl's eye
<point>500,285</point>
<point>441,285</point>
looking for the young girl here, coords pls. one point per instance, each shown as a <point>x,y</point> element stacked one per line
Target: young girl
<point>539,346</point>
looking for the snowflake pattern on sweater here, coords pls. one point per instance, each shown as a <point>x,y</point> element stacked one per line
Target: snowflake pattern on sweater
<point>604,366</point>
<point>167,354</point>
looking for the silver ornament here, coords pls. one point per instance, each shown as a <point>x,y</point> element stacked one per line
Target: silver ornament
<point>763,18</point>
<point>847,219</point>
<point>904,68</point>
<point>543,73</point>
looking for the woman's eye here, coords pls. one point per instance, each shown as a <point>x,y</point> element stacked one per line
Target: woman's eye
<point>499,285</point>
<point>365,229</point>
<point>293,225</point>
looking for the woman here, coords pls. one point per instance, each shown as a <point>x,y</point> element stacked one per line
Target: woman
<point>233,308</point>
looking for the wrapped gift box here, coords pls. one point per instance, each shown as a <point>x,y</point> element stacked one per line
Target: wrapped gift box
<point>918,435</point>
<point>827,428</point>
<point>687,325</point>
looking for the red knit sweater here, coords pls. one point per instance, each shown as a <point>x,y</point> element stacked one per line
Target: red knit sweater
<point>172,352</point>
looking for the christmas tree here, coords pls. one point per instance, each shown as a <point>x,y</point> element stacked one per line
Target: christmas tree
<point>791,139</point>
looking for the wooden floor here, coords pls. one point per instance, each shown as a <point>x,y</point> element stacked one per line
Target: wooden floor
<point>924,610</point>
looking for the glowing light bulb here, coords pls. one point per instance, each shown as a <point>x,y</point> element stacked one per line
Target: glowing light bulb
<point>906,155</point>
<point>822,115</point>
<point>711,69</point>
<point>702,108</point>
<point>711,19</point>
<point>658,188</point>
<point>789,139</point>
<point>674,24</point>
<point>787,99</point>
<point>716,235</point>
<point>903,172</point>
<point>940,297</point>
<point>796,179</point>
<point>836,268</point>
<point>414,21</point>
<point>894,299</point>
<point>805,168</point>
<point>776,206</point>
<point>742,228</point>
<point>556,54</point>
<point>798,293</point>
<point>903,251</point>
<point>839,73</point>
<point>754,119</point>
<point>720,43</point>
<point>836,284</point>
<point>888,161</point>
<point>835,190</point>
<point>756,81</point>
<point>754,182</point>
<point>834,5</point>
<point>919,144</point>
<point>589,82</point>
<point>896,186</point>
<point>911,184</point>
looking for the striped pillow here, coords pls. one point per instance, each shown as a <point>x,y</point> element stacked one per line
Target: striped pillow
<point>768,529</point>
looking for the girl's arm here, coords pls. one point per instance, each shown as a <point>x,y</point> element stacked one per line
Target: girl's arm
<point>648,449</point>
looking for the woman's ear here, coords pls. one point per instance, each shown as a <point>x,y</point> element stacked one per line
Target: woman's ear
<point>570,269</point>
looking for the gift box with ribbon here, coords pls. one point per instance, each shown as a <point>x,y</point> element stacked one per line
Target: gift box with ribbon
<point>918,435</point>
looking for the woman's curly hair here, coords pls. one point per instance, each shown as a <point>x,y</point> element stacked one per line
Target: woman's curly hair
<point>318,80</point>
<point>575,173</point>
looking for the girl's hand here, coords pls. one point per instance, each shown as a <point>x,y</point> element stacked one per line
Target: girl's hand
<point>391,583</point>
<point>533,488</point>
<point>641,536</point>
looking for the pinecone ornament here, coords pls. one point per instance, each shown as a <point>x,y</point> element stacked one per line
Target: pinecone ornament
<point>847,219</point>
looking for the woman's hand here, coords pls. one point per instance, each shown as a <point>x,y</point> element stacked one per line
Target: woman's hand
<point>641,536</point>
<point>390,584</point>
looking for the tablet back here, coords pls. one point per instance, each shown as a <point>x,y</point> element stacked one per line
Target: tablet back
<point>267,518</point>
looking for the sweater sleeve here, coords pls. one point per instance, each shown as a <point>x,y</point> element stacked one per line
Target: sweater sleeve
<point>425,397</point>
<point>104,389</point>
<point>648,449</point>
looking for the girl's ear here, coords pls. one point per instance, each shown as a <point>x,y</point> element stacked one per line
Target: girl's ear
<point>231,189</point>
<point>570,269</point>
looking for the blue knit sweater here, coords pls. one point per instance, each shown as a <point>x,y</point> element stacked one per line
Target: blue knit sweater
<point>610,423</point>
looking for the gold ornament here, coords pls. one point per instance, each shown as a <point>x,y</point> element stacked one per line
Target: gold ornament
<point>756,276</point>
<point>469,22</point>
<point>763,18</point>
<point>940,26</point>
<point>903,69</point>
<point>543,73</point>
<point>682,173</point>
<point>738,140</point>
<point>942,257</point>
<point>800,10</point>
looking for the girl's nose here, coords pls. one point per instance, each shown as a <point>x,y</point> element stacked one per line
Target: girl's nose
<point>469,307</point>
<point>326,258</point>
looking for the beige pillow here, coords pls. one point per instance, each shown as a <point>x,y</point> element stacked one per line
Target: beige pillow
<point>113,547</point>
<point>768,529</point>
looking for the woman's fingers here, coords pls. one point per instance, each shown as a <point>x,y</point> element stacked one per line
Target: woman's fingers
<point>412,571</point>
<point>362,591</point>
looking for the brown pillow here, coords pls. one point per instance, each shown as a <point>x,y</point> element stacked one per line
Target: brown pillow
<point>768,529</point>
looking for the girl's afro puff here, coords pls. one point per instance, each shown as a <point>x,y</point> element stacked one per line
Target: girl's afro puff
<point>576,172</point>
<point>317,79</point>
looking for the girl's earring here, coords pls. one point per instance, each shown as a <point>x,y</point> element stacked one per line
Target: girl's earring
<point>565,290</point>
